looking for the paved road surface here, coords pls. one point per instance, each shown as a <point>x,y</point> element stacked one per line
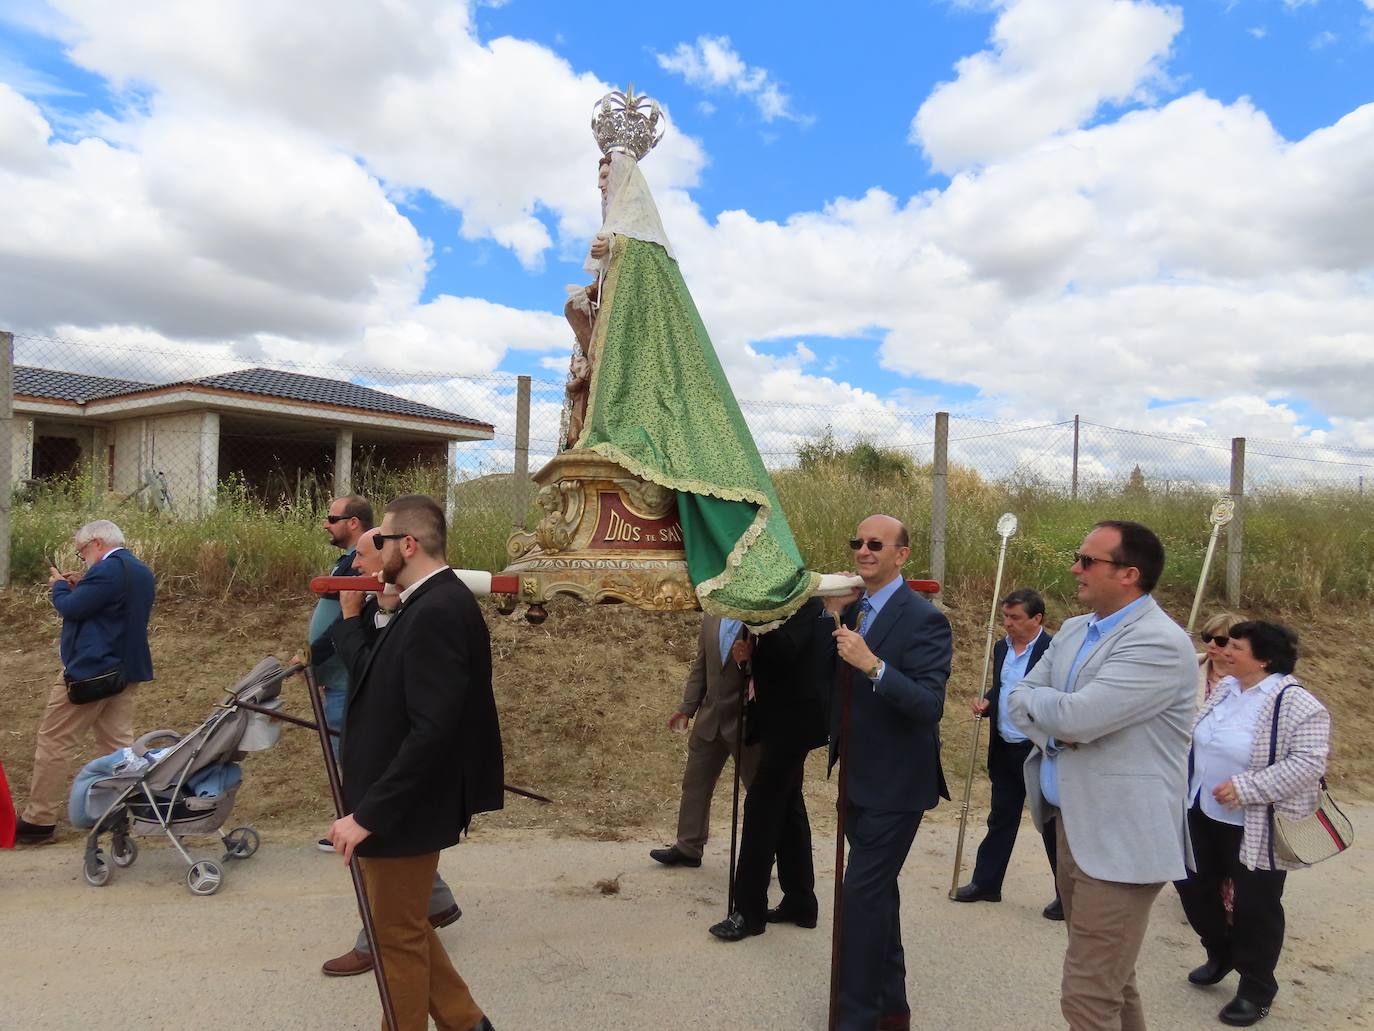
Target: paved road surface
<point>542,947</point>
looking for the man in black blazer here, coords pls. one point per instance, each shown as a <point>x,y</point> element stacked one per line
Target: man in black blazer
<point>421,757</point>
<point>900,657</point>
<point>1015,655</point>
<point>791,668</point>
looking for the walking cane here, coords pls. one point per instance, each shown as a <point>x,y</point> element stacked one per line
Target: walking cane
<point>836,923</point>
<point>1006,527</point>
<point>734,805</point>
<point>359,888</point>
<point>1222,513</point>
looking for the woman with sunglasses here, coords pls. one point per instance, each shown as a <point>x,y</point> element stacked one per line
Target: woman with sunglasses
<point>1233,782</point>
<point>1212,662</point>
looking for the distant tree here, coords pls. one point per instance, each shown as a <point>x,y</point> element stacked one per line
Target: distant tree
<point>1135,483</point>
<point>861,458</point>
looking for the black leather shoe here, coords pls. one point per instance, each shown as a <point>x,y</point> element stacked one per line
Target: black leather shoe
<point>1242,1013</point>
<point>26,833</point>
<point>733,928</point>
<point>483,1025</point>
<point>1054,911</point>
<point>1210,972</point>
<point>784,914</point>
<point>973,893</point>
<point>673,856</point>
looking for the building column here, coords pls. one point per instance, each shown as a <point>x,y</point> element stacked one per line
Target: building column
<point>207,464</point>
<point>21,453</point>
<point>343,462</point>
<point>100,459</point>
<point>450,481</point>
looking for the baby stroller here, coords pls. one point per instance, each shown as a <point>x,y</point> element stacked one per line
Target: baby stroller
<point>174,785</point>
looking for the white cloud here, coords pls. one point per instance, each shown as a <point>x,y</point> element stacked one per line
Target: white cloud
<point>1258,31</point>
<point>1322,40</point>
<point>24,134</point>
<point>712,63</point>
<point>1052,65</point>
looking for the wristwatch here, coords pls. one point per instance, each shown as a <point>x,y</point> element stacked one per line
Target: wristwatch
<point>875,671</point>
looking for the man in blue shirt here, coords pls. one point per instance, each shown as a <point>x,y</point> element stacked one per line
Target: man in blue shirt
<point>1023,617</point>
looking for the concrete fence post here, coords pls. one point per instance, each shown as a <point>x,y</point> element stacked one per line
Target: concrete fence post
<point>1235,529</point>
<point>939,499</point>
<point>1073,487</point>
<point>6,451</point>
<point>520,474</point>
<point>343,462</point>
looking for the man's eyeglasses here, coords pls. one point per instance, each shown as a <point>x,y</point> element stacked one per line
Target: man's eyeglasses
<point>1088,561</point>
<point>332,519</point>
<point>379,539</point>
<point>874,546</point>
<point>1217,639</point>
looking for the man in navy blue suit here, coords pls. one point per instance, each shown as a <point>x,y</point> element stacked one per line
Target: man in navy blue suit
<point>1023,617</point>
<point>104,629</point>
<point>900,649</point>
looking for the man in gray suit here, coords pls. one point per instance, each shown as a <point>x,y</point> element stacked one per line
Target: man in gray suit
<point>1109,708</point>
<point>715,696</point>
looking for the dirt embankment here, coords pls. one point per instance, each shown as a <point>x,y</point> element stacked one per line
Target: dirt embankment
<point>583,701</point>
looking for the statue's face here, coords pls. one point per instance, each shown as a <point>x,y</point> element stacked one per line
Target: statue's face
<point>603,178</point>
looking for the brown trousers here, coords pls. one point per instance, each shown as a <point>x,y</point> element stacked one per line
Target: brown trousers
<point>419,973</point>
<point>1107,922</point>
<point>59,732</point>
<point>705,760</point>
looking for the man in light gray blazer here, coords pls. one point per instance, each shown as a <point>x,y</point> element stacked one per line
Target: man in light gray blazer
<point>1109,708</point>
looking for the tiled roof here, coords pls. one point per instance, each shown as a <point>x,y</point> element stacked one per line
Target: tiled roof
<point>69,386</point>
<point>292,386</point>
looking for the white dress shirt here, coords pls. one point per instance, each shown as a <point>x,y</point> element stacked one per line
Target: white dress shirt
<point>1222,743</point>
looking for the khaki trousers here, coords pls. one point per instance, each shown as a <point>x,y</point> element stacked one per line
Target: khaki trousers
<point>1107,922</point>
<point>59,732</point>
<point>705,760</point>
<point>419,973</point>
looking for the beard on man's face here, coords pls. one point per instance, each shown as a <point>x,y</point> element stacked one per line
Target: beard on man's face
<point>392,565</point>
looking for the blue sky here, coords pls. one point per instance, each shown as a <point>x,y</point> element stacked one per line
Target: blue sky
<point>994,249</point>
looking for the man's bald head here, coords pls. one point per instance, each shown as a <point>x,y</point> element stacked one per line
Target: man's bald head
<point>884,546</point>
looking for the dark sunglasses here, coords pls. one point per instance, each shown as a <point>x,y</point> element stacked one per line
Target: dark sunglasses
<point>332,519</point>
<point>1217,639</point>
<point>1088,561</point>
<point>382,538</point>
<point>874,546</point>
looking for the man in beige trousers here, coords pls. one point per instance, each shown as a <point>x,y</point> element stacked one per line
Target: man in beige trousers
<point>1110,709</point>
<point>715,696</point>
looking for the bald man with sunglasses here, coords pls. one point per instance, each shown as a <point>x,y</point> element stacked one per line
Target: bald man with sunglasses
<point>1110,710</point>
<point>900,649</point>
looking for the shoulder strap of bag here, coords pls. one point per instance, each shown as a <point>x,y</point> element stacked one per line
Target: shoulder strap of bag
<point>1273,752</point>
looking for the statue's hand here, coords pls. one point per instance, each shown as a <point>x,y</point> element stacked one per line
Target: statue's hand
<point>601,245</point>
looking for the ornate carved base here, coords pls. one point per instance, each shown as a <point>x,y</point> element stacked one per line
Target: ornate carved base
<point>605,536</point>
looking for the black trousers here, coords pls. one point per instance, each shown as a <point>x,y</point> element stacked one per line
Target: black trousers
<point>1006,771</point>
<point>1254,939</point>
<point>775,827</point>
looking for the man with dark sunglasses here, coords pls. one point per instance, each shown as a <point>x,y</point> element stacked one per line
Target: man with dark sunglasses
<point>899,650</point>
<point>1110,710</point>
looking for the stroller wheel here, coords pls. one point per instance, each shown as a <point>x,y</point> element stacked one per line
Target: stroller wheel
<point>124,852</point>
<point>204,877</point>
<point>241,842</point>
<point>96,869</point>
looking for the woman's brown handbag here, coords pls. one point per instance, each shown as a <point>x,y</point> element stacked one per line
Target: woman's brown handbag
<point>1326,833</point>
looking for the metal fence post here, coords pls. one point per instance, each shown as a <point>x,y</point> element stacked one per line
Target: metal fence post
<point>6,450</point>
<point>1073,488</point>
<point>939,498</point>
<point>1235,529</point>
<point>520,476</point>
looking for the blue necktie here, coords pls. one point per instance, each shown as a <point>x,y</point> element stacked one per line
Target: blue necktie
<point>865,611</point>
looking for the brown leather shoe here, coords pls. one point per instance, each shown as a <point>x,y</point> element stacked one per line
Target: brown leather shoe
<point>350,963</point>
<point>448,916</point>
<point>895,1022</point>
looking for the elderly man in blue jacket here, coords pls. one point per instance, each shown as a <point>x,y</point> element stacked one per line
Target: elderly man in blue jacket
<point>104,630</point>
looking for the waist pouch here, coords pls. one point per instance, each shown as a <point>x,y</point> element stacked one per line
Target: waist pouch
<point>95,689</point>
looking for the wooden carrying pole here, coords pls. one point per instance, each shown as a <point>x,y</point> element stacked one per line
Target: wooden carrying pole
<point>1222,512</point>
<point>359,888</point>
<point>1006,526</point>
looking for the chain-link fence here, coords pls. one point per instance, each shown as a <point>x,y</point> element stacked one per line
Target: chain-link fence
<point>175,425</point>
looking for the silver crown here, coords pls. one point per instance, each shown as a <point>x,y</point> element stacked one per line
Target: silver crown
<point>629,123</point>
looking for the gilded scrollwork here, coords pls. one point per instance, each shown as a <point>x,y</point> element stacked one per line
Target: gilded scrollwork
<point>650,500</point>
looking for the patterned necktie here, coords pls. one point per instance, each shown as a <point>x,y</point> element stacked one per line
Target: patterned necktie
<point>865,611</point>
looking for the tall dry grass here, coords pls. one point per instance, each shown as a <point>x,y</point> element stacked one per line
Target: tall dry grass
<point>1301,549</point>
